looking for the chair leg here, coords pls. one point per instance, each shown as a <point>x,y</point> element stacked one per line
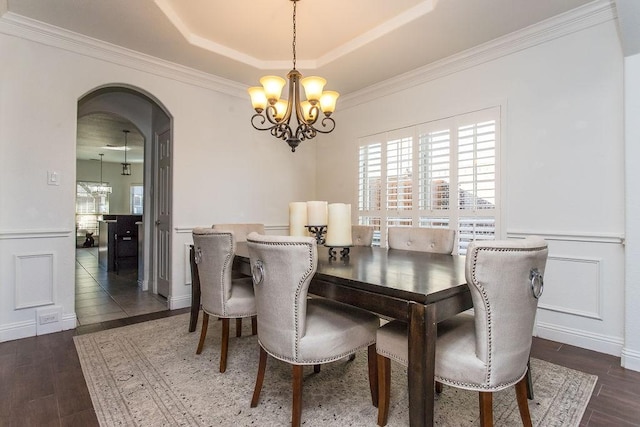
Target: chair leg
<point>438,387</point>
<point>254,325</point>
<point>203,331</point>
<point>352,357</point>
<point>316,369</point>
<point>384,388</point>
<point>523,405</point>
<point>373,373</point>
<point>529,381</point>
<point>262,365</point>
<point>486,408</point>
<point>296,408</point>
<point>224,345</point>
<point>239,327</point>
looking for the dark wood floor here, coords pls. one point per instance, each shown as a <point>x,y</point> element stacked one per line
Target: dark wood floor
<point>41,381</point>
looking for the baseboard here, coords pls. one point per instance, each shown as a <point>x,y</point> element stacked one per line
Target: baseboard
<point>18,330</point>
<point>179,302</point>
<point>69,321</point>
<point>630,359</point>
<point>579,338</point>
<point>26,329</point>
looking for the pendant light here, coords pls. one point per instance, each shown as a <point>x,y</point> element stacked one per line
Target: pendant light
<point>101,189</point>
<point>126,167</point>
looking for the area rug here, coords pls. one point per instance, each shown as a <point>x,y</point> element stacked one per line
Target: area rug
<point>148,374</point>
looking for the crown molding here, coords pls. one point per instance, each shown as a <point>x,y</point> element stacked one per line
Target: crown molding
<point>594,13</point>
<point>40,32</point>
<point>589,15</point>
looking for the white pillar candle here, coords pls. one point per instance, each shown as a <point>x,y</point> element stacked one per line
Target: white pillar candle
<point>298,219</point>
<point>339,226</point>
<point>316,213</point>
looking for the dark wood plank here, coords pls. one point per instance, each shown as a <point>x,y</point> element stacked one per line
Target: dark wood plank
<point>28,391</point>
<point>616,397</point>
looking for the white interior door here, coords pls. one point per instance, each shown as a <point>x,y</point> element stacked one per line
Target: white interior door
<point>163,213</point>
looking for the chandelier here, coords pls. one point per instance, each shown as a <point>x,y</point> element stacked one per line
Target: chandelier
<point>275,114</point>
<point>126,167</point>
<point>102,189</point>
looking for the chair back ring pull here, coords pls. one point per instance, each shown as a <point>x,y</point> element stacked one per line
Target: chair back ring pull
<point>537,284</point>
<point>257,272</point>
<point>198,255</point>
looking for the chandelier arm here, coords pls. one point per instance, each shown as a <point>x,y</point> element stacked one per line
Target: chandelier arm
<point>330,127</point>
<point>314,113</point>
<point>282,131</point>
<point>304,131</point>
<point>270,113</point>
<point>257,120</point>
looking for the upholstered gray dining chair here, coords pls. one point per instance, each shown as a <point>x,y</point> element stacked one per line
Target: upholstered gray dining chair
<point>221,295</point>
<point>421,239</point>
<point>240,230</point>
<point>362,235</point>
<point>300,330</point>
<point>487,351</point>
<point>240,233</point>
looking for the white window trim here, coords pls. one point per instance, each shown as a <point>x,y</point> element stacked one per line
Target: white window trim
<point>496,112</point>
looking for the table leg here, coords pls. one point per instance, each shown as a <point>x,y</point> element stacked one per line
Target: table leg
<point>421,370</point>
<point>195,290</point>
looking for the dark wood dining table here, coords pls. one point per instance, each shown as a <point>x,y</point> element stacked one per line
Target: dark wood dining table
<point>418,288</point>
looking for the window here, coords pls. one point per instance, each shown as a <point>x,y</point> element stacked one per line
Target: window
<point>136,200</point>
<point>88,202</point>
<point>439,174</point>
<point>89,209</point>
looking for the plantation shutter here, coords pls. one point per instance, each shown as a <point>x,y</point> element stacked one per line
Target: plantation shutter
<point>441,174</point>
<point>477,194</point>
<point>370,186</point>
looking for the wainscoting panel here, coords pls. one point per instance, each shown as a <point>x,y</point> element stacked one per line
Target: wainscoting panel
<point>572,286</point>
<point>34,285</point>
<point>583,299</point>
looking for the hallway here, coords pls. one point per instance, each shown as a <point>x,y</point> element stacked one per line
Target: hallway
<point>102,295</point>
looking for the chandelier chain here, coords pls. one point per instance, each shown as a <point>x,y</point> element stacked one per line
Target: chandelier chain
<point>294,34</point>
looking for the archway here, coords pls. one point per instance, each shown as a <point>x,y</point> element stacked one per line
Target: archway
<point>125,107</point>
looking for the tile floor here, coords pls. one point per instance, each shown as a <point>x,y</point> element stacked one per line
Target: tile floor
<point>102,295</point>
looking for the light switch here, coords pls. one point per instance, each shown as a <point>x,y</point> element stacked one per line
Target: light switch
<point>53,178</point>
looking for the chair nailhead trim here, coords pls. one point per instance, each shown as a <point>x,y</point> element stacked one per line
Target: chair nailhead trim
<point>485,300</point>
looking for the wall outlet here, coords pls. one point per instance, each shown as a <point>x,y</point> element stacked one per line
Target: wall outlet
<point>48,318</point>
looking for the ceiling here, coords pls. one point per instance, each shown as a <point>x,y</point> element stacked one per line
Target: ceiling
<point>353,44</point>
<point>102,133</point>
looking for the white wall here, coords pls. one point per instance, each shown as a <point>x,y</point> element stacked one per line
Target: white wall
<point>224,170</point>
<point>562,161</point>
<point>631,351</point>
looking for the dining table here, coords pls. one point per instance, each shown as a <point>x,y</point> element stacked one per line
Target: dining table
<point>418,288</point>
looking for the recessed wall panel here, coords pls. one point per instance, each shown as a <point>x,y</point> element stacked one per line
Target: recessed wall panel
<point>572,286</point>
<point>34,280</point>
